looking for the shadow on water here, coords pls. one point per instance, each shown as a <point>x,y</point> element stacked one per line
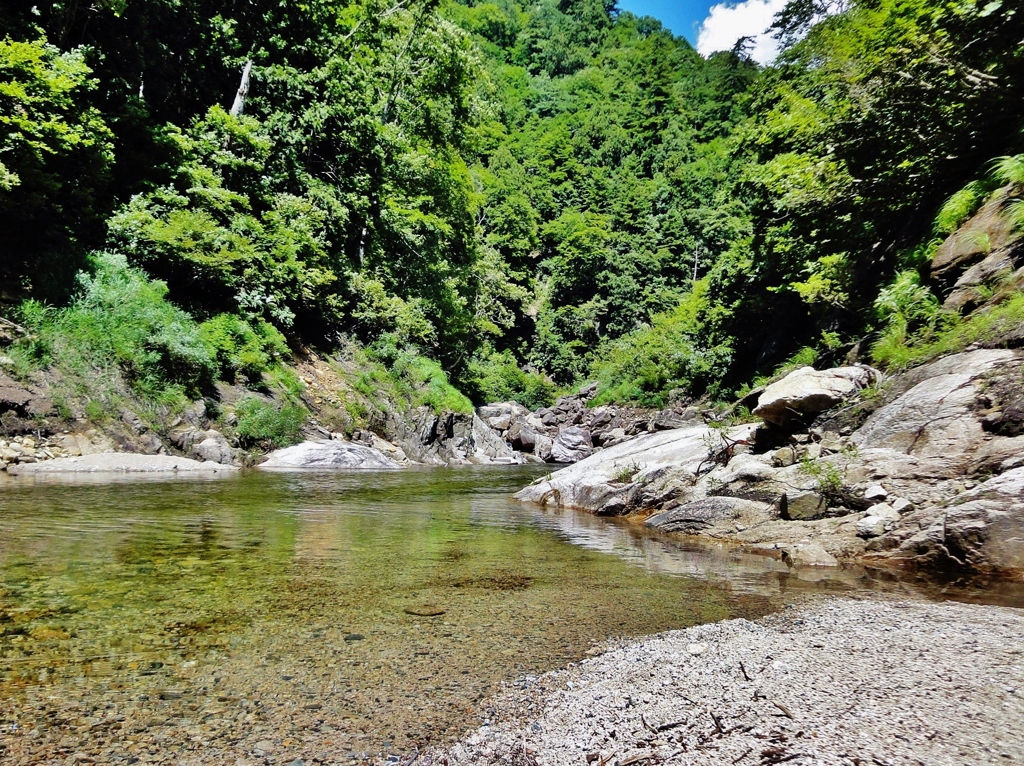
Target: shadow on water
<point>366,611</point>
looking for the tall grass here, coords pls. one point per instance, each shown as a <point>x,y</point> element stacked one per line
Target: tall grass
<point>120,320</point>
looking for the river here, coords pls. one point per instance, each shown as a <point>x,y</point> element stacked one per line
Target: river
<point>321,617</point>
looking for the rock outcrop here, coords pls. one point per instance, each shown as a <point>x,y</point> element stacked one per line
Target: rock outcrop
<point>985,249</point>
<point>912,484</point>
<point>570,430</point>
<point>451,439</point>
<point>329,455</point>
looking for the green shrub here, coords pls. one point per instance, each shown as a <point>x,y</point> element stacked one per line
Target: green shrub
<point>496,377</point>
<point>263,424</point>
<point>959,207</point>
<point>953,333</point>
<point>911,315</point>
<point>1009,169</point>
<point>242,347</point>
<point>121,319</point>
<point>407,374</point>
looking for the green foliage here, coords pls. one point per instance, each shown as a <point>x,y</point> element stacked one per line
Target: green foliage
<point>624,473</point>
<point>673,353</point>
<point>121,320</point>
<point>404,374</point>
<point>497,377</point>
<point>264,255</point>
<point>959,207</point>
<point>55,153</point>
<point>242,347</point>
<point>1009,169</point>
<point>269,426</point>
<point>829,478</point>
<point>504,195</point>
<point>995,325</point>
<point>911,316</point>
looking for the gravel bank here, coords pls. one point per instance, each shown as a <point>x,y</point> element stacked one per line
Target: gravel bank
<point>836,682</point>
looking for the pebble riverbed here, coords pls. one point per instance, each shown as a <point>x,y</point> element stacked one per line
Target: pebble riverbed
<point>839,682</point>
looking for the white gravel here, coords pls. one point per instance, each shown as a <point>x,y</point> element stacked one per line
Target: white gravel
<point>845,681</point>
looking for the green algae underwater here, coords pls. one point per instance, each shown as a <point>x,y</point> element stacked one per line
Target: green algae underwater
<point>325,616</point>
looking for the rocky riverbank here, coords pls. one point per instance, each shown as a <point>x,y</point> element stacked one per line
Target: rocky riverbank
<point>925,469</point>
<point>835,682</point>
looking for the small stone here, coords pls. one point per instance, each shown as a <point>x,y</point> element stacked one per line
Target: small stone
<point>265,746</point>
<point>803,505</point>
<point>354,637</point>
<point>871,526</point>
<point>831,442</point>
<point>884,511</point>
<point>875,492</point>
<point>902,505</point>
<point>784,457</point>
<point>696,649</point>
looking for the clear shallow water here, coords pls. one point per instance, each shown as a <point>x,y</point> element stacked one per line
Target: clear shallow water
<point>278,616</point>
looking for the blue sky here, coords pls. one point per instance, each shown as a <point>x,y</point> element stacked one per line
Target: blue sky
<point>681,16</point>
<point>714,25</point>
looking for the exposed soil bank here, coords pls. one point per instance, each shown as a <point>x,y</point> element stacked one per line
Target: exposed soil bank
<point>835,682</point>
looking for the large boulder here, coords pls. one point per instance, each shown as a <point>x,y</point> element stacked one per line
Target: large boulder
<point>937,417</point>
<point>606,481</point>
<point>214,446</point>
<point>334,455</point>
<point>806,392</point>
<point>571,445</point>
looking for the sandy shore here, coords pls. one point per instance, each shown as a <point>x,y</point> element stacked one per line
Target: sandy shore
<point>842,681</point>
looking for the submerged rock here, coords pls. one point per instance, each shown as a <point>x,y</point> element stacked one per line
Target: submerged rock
<point>335,454</point>
<point>808,555</point>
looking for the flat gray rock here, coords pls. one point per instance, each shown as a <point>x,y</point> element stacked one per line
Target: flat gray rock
<point>697,516</point>
<point>120,462</point>
<point>332,455</point>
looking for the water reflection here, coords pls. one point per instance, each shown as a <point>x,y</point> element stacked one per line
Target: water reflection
<point>210,615</point>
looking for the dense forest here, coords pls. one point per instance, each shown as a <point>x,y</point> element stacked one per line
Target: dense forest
<point>516,198</point>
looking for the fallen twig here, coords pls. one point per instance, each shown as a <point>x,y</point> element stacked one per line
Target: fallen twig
<point>718,723</point>
<point>743,670</point>
<point>785,710</point>
<point>668,726</point>
<point>748,751</point>
<point>638,759</point>
<point>647,725</point>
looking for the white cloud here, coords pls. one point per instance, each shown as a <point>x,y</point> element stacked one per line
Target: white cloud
<point>726,23</point>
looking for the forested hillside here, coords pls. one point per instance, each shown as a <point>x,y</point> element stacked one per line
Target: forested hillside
<point>519,197</point>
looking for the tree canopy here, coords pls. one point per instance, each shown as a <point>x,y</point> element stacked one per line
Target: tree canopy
<point>556,191</point>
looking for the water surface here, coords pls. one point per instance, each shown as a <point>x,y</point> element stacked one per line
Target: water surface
<point>274,617</point>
